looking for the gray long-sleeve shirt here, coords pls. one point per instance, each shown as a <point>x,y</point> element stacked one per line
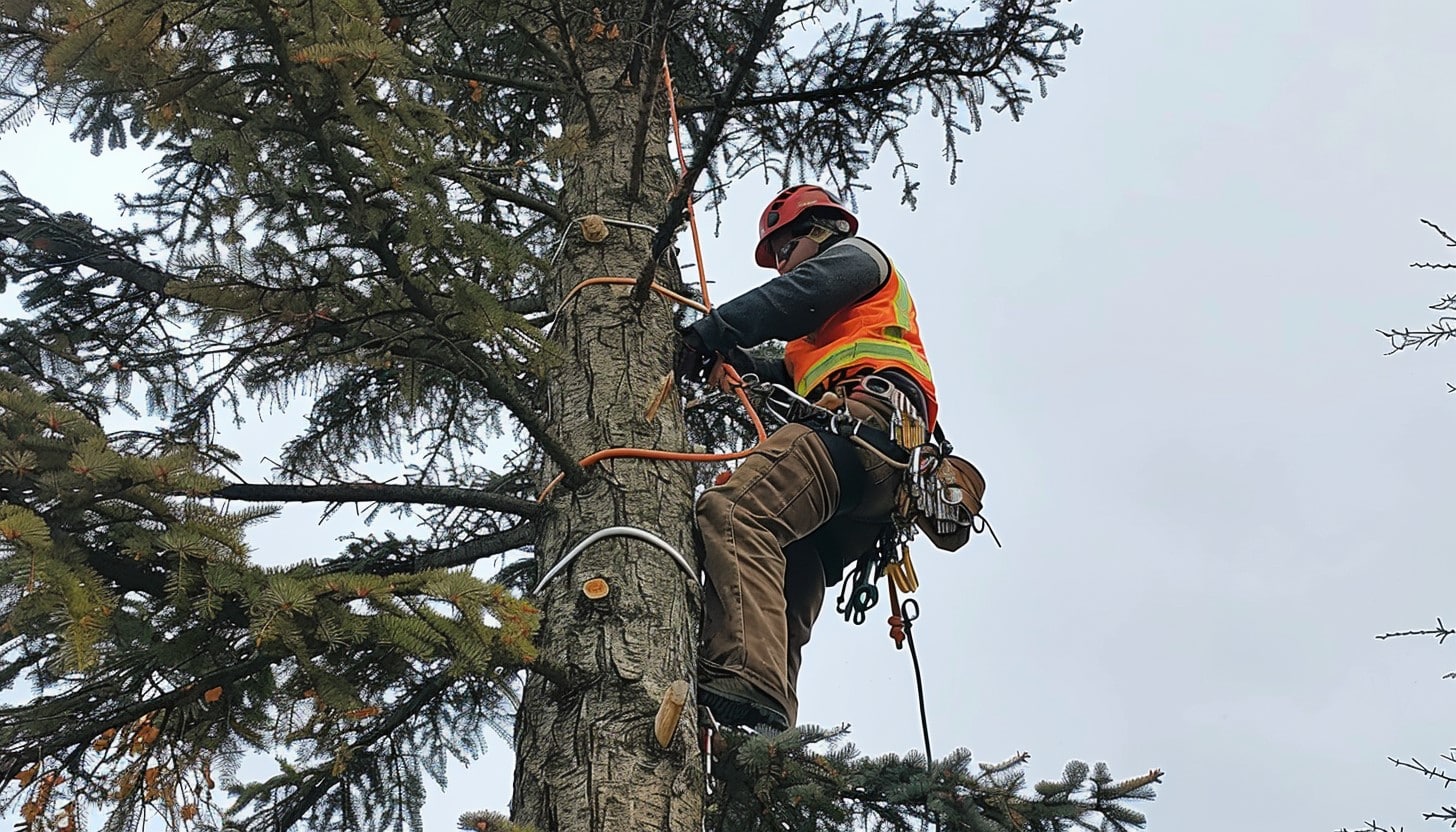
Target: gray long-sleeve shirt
<point>791,305</point>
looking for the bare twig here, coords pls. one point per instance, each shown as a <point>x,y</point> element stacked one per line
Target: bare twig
<point>1450,241</point>
<point>1440,631</point>
<point>1430,772</point>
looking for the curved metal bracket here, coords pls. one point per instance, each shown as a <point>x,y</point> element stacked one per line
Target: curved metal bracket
<point>617,531</point>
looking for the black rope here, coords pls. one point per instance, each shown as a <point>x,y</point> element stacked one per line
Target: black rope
<point>908,614</point>
<point>909,619</point>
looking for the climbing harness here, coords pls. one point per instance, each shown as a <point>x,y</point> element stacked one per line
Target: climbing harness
<point>785,406</point>
<point>939,494</point>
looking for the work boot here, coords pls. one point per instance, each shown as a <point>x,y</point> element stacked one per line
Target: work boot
<point>736,702</point>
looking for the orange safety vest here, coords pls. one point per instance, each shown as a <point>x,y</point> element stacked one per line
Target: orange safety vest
<point>874,334</point>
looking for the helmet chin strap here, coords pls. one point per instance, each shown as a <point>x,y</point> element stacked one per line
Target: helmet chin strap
<point>822,230</point>
<point>819,234</point>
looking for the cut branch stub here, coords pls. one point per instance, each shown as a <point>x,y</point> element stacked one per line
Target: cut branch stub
<point>670,711</point>
<point>593,228</point>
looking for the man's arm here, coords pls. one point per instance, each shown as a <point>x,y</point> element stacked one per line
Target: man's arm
<point>767,369</point>
<point>795,303</point>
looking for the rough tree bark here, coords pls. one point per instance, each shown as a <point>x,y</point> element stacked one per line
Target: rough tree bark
<point>586,759</point>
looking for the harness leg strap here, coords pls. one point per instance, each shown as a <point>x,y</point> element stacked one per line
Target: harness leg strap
<point>847,467</point>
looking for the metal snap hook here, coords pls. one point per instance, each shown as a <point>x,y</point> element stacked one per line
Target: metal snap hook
<point>876,385</point>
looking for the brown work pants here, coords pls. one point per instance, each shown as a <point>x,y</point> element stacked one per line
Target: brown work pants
<point>764,532</point>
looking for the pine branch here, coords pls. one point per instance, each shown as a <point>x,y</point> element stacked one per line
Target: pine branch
<point>516,537</point>
<point>568,67</point>
<point>791,780</point>
<point>301,801</point>
<point>499,387</point>
<point>526,304</point>
<point>1450,241</point>
<point>375,492</point>
<point>504,194</point>
<point>522,84</point>
<point>1442,329</point>
<point>72,240</point>
<point>846,92</point>
<point>78,243</point>
<point>96,720</point>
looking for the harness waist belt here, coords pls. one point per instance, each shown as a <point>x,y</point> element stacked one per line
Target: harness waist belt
<point>845,384</point>
<point>845,428</point>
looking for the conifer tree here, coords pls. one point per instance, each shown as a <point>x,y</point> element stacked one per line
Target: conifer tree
<point>390,209</point>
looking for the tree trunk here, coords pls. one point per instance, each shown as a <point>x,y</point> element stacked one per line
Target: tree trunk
<point>586,756</point>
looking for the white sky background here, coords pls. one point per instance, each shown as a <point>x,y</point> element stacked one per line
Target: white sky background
<point>1151,307</point>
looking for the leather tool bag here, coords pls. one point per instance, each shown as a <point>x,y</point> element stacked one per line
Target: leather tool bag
<point>946,501</point>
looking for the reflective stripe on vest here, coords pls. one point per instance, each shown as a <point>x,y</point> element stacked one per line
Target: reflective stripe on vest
<point>875,333</point>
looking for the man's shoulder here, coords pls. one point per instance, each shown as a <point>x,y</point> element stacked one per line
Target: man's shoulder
<point>859,248</point>
<point>862,244</point>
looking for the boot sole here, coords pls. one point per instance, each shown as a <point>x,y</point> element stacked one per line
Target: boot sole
<point>731,710</point>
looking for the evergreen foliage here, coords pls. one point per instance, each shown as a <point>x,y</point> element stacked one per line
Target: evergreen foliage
<point>785,782</point>
<point>359,204</point>
<point>161,654</point>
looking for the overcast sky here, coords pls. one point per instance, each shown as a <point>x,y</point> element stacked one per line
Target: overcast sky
<point>1151,307</point>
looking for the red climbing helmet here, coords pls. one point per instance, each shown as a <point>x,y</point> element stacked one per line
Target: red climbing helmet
<point>787,207</point>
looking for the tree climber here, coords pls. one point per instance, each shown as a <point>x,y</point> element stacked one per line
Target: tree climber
<point>807,502</point>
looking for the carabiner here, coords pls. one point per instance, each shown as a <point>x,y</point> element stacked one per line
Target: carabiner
<point>902,572</point>
<point>907,568</point>
<point>864,597</point>
<point>876,386</point>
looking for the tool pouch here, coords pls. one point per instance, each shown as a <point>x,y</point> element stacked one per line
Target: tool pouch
<point>944,500</point>
<point>941,493</point>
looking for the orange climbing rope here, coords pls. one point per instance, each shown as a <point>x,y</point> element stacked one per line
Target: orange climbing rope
<point>682,162</point>
<point>734,380</point>
<point>626,281</point>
